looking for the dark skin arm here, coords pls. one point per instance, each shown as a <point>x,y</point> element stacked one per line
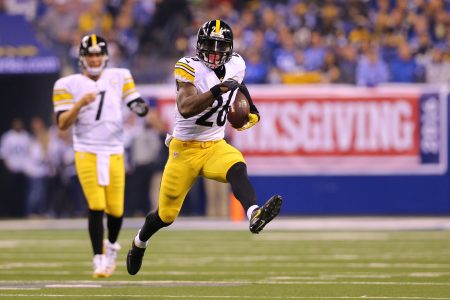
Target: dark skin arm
<point>190,103</point>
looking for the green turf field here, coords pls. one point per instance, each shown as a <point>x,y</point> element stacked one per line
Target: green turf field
<point>38,264</point>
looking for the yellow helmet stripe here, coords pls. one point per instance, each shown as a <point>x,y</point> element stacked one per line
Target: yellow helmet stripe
<point>94,39</point>
<point>217,26</point>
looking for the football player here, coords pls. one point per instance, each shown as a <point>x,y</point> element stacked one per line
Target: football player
<point>92,103</point>
<point>206,87</point>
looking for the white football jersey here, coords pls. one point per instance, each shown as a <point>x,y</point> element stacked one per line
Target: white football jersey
<point>99,127</point>
<point>209,125</point>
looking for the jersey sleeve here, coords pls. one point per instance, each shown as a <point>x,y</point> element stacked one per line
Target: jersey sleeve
<point>62,97</point>
<point>240,68</point>
<point>129,91</point>
<point>184,71</point>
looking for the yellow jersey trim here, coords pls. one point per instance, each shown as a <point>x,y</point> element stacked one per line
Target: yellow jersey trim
<point>61,97</point>
<point>128,86</point>
<point>184,73</point>
<point>188,67</point>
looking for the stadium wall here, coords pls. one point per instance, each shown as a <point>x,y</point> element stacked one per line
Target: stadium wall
<point>345,150</point>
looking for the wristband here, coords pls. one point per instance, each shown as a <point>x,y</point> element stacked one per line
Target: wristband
<point>215,90</point>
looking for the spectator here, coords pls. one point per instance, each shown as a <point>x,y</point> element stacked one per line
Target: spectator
<point>96,20</point>
<point>125,36</point>
<point>330,69</point>
<point>315,53</point>
<point>404,68</point>
<point>285,57</point>
<point>14,146</point>
<point>257,69</point>
<point>145,153</point>
<point>371,70</point>
<point>437,70</point>
<point>171,17</point>
<point>37,169</point>
<point>73,202</point>
<point>347,65</point>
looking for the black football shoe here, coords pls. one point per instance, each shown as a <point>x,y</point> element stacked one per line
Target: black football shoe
<point>134,259</point>
<point>264,214</point>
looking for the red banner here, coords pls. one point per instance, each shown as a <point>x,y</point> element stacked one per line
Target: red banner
<point>335,130</point>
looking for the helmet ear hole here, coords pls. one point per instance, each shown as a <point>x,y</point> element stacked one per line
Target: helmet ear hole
<point>215,43</point>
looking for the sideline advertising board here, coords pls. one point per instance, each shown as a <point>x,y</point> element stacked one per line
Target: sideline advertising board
<point>342,130</point>
<point>20,51</point>
<point>344,150</point>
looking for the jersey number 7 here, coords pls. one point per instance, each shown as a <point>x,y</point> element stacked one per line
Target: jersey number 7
<point>100,105</point>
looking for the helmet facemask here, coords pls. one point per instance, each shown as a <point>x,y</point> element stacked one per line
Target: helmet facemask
<point>94,71</point>
<point>214,53</point>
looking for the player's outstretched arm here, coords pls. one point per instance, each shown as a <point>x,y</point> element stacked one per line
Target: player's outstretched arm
<point>67,118</point>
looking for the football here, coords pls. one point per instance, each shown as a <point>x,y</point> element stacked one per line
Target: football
<point>239,110</point>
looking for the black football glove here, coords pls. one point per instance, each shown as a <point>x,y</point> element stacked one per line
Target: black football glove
<point>139,107</point>
<point>230,84</point>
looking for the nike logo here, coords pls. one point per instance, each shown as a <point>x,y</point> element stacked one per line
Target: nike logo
<point>257,214</point>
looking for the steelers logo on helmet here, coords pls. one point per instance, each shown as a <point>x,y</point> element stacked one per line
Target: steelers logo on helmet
<point>215,43</point>
<point>93,45</point>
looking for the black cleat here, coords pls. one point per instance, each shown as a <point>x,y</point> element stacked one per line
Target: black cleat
<point>264,214</point>
<point>134,259</point>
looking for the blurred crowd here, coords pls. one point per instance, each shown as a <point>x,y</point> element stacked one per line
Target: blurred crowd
<point>363,42</point>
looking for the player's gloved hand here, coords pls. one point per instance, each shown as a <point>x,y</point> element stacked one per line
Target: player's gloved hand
<point>223,87</point>
<point>139,107</point>
<point>253,118</point>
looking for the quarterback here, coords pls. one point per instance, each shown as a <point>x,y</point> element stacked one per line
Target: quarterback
<point>92,102</point>
<point>206,88</point>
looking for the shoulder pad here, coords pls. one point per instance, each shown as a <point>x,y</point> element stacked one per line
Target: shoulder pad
<point>185,69</point>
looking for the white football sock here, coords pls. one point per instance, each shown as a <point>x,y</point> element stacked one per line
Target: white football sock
<point>138,242</point>
<point>250,211</point>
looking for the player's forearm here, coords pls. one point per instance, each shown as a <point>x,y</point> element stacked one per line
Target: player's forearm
<point>67,118</point>
<point>195,104</point>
